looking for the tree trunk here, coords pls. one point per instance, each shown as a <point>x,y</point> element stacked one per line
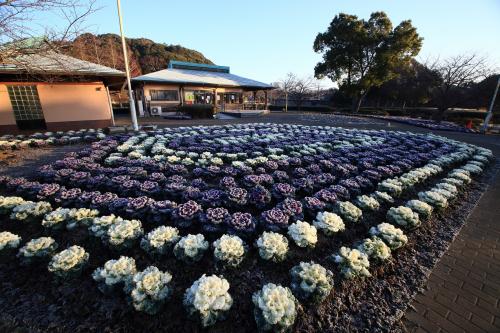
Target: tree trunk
<point>439,114</point>
<point>356,103</point>
<point>286,102</point>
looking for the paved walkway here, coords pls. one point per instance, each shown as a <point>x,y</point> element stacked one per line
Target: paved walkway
<point>463,291</point>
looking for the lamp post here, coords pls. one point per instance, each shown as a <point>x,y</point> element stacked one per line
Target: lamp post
<point>133,115</point>
<point>490,111</point>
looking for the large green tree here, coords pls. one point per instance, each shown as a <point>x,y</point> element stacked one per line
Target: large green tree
<point>360,54</point>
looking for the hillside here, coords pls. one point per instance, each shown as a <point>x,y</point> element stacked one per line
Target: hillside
<point>145,55</point>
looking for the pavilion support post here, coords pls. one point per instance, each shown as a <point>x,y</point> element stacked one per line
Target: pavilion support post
<point>215,100</point>
<point>265,99</point>
<point>255,99</point>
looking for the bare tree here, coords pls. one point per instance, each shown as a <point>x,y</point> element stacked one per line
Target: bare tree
<point>20,38</point>
<point>456,74</point>
<point>302,89</point>
<point>287,85</point>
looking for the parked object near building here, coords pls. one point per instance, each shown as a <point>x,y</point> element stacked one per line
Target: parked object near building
<point>55,92</point>
<point>197,88</point>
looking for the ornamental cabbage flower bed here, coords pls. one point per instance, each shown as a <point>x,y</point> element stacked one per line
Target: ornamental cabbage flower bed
<point>231,228</point>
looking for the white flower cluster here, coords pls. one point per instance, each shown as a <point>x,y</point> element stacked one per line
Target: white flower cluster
<point>124,233</point>
<point>348,211</point>
<point>191,248</point>
<point>30,211</point>
<point>208,298</point>
<point>115,272</point>
<point>375,248</point>
<point>272,246</point>
<point>9,240</point>
<point>275,308</point>
<point>329,223</point>
<point>100,225</point>
<point>352,262</point>
<point>433,198</point>
<point>230,250</point>
<point>69,262</point>
<point>392,236</point>
<point>367,203</point>
<point>392,186</point>
<point>56,218</point>
<point>160,240</point>
<point>38,248</point>
<point>150,289</point>
<point>403,216</point>
<point>311,281</point>
<point>8,203</point>
<point>303,234</point>
<point>423,209</point>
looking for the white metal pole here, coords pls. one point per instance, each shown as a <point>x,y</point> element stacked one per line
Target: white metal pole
<point>133,115</point>
<point>490,111</point>
<point>110,107</point>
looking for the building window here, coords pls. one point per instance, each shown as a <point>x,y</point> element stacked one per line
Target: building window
<point>25,102</point>
<point>164,95</point>
<point>198,97</point>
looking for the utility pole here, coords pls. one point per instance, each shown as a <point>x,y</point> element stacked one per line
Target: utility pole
<point>490,111</point>
<point>133,115</point>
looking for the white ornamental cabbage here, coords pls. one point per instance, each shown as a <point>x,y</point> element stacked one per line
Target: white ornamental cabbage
<point>83,216</point>
<point>29,211</point>
<point>275,308</point>
<point>311,281</point>
<point>392,186</point>
<point>150,289</point>
<point>124,233</point>
<point>100,225</point>
<point>272,246</point>
<point>392,236</point>
<point>329,223</point>
<point>8,203</point>
<point>348,211</point>
<point>9,240</point>
<point>461,174</point>
<point>229,250</point>
<point>447,187</point>
<point>160,240</point>
<point>367,203</point>
<point>423,209</point>
<point>303,234</point>
<point>383,197</point>
<point>433,198</point>
<point>453,181</point>
<point>69,262</point>
<point>191,248</point>
<point>115,271</point>
<point>352,262</point>
<point>403,216</point>
<point>37,248</point>
<point>56,218</point>
<point>375,248</point>
<point>208,299</point>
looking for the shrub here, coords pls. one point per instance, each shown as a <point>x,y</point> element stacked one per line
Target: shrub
<point>208,299</point>
<point>114,272</point>
<point>311,281</point>
<point>229,250</point>
<point>303,234</point>
<point>329,223</point>
<point>160,240</point>
<point>375,248</point>
<point>348,211</point>
<point>69,263</point>
<point>37,249</point>
<point>423,209</point>
<point>403,216</point>
<point>392,236</point>
<point>352,262</point>
<point>191,248</point>
<point>275,308</point>
<point>150,289</point>
<point>272,246</point>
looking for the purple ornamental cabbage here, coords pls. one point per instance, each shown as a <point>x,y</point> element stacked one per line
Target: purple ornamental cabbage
<point>274,219</point>
<point>236,196</point>
<point>292,208</point>
<point>185,214</point>
<point>214,219</point>
<point>259,196</point>
<point>212,198</point>
<point>283,190</point>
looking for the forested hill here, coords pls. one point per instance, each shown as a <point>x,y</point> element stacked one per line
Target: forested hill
<point>145,55</point>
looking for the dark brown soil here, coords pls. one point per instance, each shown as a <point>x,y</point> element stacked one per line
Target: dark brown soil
<point>32,301</point>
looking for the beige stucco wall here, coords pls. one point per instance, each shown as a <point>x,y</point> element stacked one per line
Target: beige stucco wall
<point>74,102</point>
<point>6,112</point>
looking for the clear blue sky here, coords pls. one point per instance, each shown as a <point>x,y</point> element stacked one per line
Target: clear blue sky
<point>265,39</point>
